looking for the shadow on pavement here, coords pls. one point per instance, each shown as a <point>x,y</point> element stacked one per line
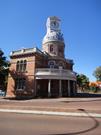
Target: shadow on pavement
<point>90,95</point>
<point>17,98</point>
<point>78,95</point>
<point>86,96</point>
<point>96,124</point>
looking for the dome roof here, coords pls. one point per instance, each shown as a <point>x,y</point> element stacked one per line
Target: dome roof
<point>53,36</point>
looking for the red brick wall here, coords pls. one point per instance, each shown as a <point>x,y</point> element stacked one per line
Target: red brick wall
<point>29,75</point>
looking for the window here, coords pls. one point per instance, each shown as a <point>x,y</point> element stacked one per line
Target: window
<point>21,66</point>
<point>51,64</point>
<point>18,66</point>
<point>20,83</point>
<point>61,51</point>
<point>51,48</point>
<point>24,66</point>
<point>61,65</point>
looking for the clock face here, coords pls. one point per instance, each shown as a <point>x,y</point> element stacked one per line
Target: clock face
<point>54,24</point>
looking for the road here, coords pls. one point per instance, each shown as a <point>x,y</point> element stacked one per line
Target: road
<point>28,124</point>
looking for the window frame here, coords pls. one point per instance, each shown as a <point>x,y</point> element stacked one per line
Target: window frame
<point>21,66</point>
<point>20,84</point>
<point>51,48</point>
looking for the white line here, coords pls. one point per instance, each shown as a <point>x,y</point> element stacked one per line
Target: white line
<point>52,113</point>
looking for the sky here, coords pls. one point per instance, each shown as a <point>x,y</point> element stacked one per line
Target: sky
<point>23,25</point>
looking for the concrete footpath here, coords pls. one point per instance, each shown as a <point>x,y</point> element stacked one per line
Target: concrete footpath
<point>84,107</point>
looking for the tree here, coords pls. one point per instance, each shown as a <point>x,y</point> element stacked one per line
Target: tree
<point>4,64</point>
<point>97,73</point>
<point>82,81</point>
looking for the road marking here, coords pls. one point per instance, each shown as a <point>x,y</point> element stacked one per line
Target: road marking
<point>52,113</point>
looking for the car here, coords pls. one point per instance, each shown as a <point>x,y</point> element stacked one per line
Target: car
<point>2,93</point>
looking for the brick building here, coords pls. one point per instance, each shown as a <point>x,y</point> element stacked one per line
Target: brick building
<point>42,73</point>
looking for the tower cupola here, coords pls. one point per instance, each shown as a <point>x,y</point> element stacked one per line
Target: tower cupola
<point>53,41</point>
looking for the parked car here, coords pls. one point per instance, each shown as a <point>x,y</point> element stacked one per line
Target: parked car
<point>2,93</point>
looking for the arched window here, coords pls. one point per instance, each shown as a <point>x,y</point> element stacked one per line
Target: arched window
<point>24,65</point>
<point>51,48</point>
<point>61,65</point>
<point>61,51</point>
<point>21,66</point>
<point>51,64</point>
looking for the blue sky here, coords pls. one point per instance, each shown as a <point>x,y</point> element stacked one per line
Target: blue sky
<point>22,24</point>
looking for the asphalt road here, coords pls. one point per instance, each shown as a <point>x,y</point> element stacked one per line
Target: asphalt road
<point>28,124</point>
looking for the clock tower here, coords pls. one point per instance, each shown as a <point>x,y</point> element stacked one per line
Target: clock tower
<point>53,41</point>
<point>42,73</point>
